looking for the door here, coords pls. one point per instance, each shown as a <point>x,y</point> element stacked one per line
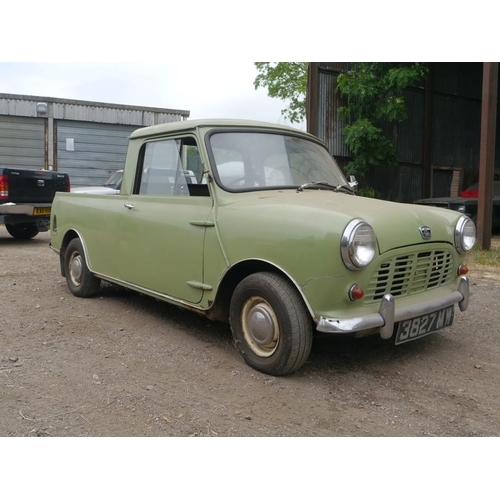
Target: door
<point>90,152</point>
<point>22,142</point>
<point>164,222</point>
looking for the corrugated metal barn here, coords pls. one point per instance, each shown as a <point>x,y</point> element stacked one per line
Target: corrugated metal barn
<point>87,140</point>
<point>438,146</point>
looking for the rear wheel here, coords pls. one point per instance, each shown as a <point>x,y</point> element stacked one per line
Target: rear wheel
<point>271,325</point>
<point>22,231</point>
<point>80,280</point>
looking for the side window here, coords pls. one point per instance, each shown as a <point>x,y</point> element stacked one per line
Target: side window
<point>165,168</point>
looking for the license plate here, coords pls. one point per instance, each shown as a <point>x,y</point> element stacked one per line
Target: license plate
<point>415,328</point>
<point>41,211</point>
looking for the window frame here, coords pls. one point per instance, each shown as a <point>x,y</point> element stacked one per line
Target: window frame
<point>186,140</point>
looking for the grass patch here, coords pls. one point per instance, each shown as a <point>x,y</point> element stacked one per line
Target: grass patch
<point>480,258</point>
<point>489,258</point>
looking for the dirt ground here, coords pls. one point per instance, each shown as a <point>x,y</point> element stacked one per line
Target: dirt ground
<point>121,364</point>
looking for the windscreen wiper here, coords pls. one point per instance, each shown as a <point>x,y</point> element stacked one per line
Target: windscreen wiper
<point>344,187</point>
<point>319,184</point>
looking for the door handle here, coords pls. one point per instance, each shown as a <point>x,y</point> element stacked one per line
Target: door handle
<point>128,205</point>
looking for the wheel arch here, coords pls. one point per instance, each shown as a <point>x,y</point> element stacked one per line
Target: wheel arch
<point>219,309</point>
<point>71,234</point>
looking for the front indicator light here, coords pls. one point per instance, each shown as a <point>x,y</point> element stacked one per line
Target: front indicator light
<point>356,293</point>
<point>462,270</point>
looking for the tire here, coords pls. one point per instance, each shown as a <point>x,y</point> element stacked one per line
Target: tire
<point>80,280</point>
<point>271,325</point>
<point>22,231</point>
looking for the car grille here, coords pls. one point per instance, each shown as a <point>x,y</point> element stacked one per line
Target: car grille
<point>410,274</point>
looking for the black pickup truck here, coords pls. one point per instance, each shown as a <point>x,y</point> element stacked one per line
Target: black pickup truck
<point>26,199</point>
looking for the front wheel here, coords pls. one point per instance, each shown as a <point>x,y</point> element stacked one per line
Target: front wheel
<point>271,325</point>
<point>22,231</point>
<point>80,280</point>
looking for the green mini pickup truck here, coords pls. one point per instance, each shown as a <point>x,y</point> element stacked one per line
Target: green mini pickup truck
<point>255,224</point>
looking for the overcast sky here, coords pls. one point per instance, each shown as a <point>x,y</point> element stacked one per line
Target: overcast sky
<point>205,89</point>
<point>214,45</point>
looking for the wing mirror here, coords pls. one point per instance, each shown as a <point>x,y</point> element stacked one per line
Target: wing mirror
<point>353,183</point>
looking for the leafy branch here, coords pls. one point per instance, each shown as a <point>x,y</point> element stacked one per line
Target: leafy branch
<point>373,92</point>
<point>286,81</point>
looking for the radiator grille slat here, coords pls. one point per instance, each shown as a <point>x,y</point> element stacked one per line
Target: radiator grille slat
<point>410,274</point>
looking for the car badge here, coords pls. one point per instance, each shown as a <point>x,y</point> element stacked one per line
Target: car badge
<point>425,232</point>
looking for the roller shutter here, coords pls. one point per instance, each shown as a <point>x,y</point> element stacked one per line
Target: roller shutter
<point>22,142</point>
<point>91,152</point>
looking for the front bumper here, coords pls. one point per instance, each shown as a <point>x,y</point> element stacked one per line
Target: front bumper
<point>388,315</point>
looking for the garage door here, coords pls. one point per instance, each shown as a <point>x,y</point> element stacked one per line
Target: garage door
<point>91,152</point>
<point>22,142</point>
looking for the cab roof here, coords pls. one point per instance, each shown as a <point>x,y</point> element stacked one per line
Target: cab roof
<point>185,125</point>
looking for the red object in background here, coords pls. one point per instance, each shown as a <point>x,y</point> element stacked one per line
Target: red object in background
<point>469,193</point>
<point>4,187</point>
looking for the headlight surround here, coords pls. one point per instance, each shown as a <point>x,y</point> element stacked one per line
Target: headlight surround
<point>465,234</point>
<point>358,245</point>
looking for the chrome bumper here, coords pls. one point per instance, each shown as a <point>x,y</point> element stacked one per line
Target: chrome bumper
<point>388,315</point>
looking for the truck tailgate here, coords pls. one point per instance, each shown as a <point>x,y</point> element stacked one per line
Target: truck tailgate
<point>34,186</point>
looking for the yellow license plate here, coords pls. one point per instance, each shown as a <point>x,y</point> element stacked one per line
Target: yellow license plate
<point>41,211</point>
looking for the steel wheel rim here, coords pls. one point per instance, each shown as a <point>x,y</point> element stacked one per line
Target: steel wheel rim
<point>76,268</point>
<point>260,326</point>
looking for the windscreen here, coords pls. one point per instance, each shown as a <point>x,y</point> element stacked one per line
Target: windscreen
<point>247,161</point>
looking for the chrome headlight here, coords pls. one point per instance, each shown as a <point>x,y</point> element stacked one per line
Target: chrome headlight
<point>358,244</point>
<point>465,234</point>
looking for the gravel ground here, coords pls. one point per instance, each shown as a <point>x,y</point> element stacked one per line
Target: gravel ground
<point>121,364</point>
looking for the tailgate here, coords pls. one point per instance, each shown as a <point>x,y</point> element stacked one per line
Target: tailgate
<point>37,186</point>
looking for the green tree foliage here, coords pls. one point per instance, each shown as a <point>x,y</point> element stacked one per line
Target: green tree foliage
<point>373,93</point>
<point>286,81</point>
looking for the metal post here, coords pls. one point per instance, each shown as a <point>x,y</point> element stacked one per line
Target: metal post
<point>487,154</point>
<point>50,142</point>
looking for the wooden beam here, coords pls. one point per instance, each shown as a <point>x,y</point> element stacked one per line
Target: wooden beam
<point>487,154</point>
<point>427,166</point>
<point>312,98</point>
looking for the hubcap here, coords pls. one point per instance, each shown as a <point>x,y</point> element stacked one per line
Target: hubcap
<point>260,326</point>
<point>76,268</point>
